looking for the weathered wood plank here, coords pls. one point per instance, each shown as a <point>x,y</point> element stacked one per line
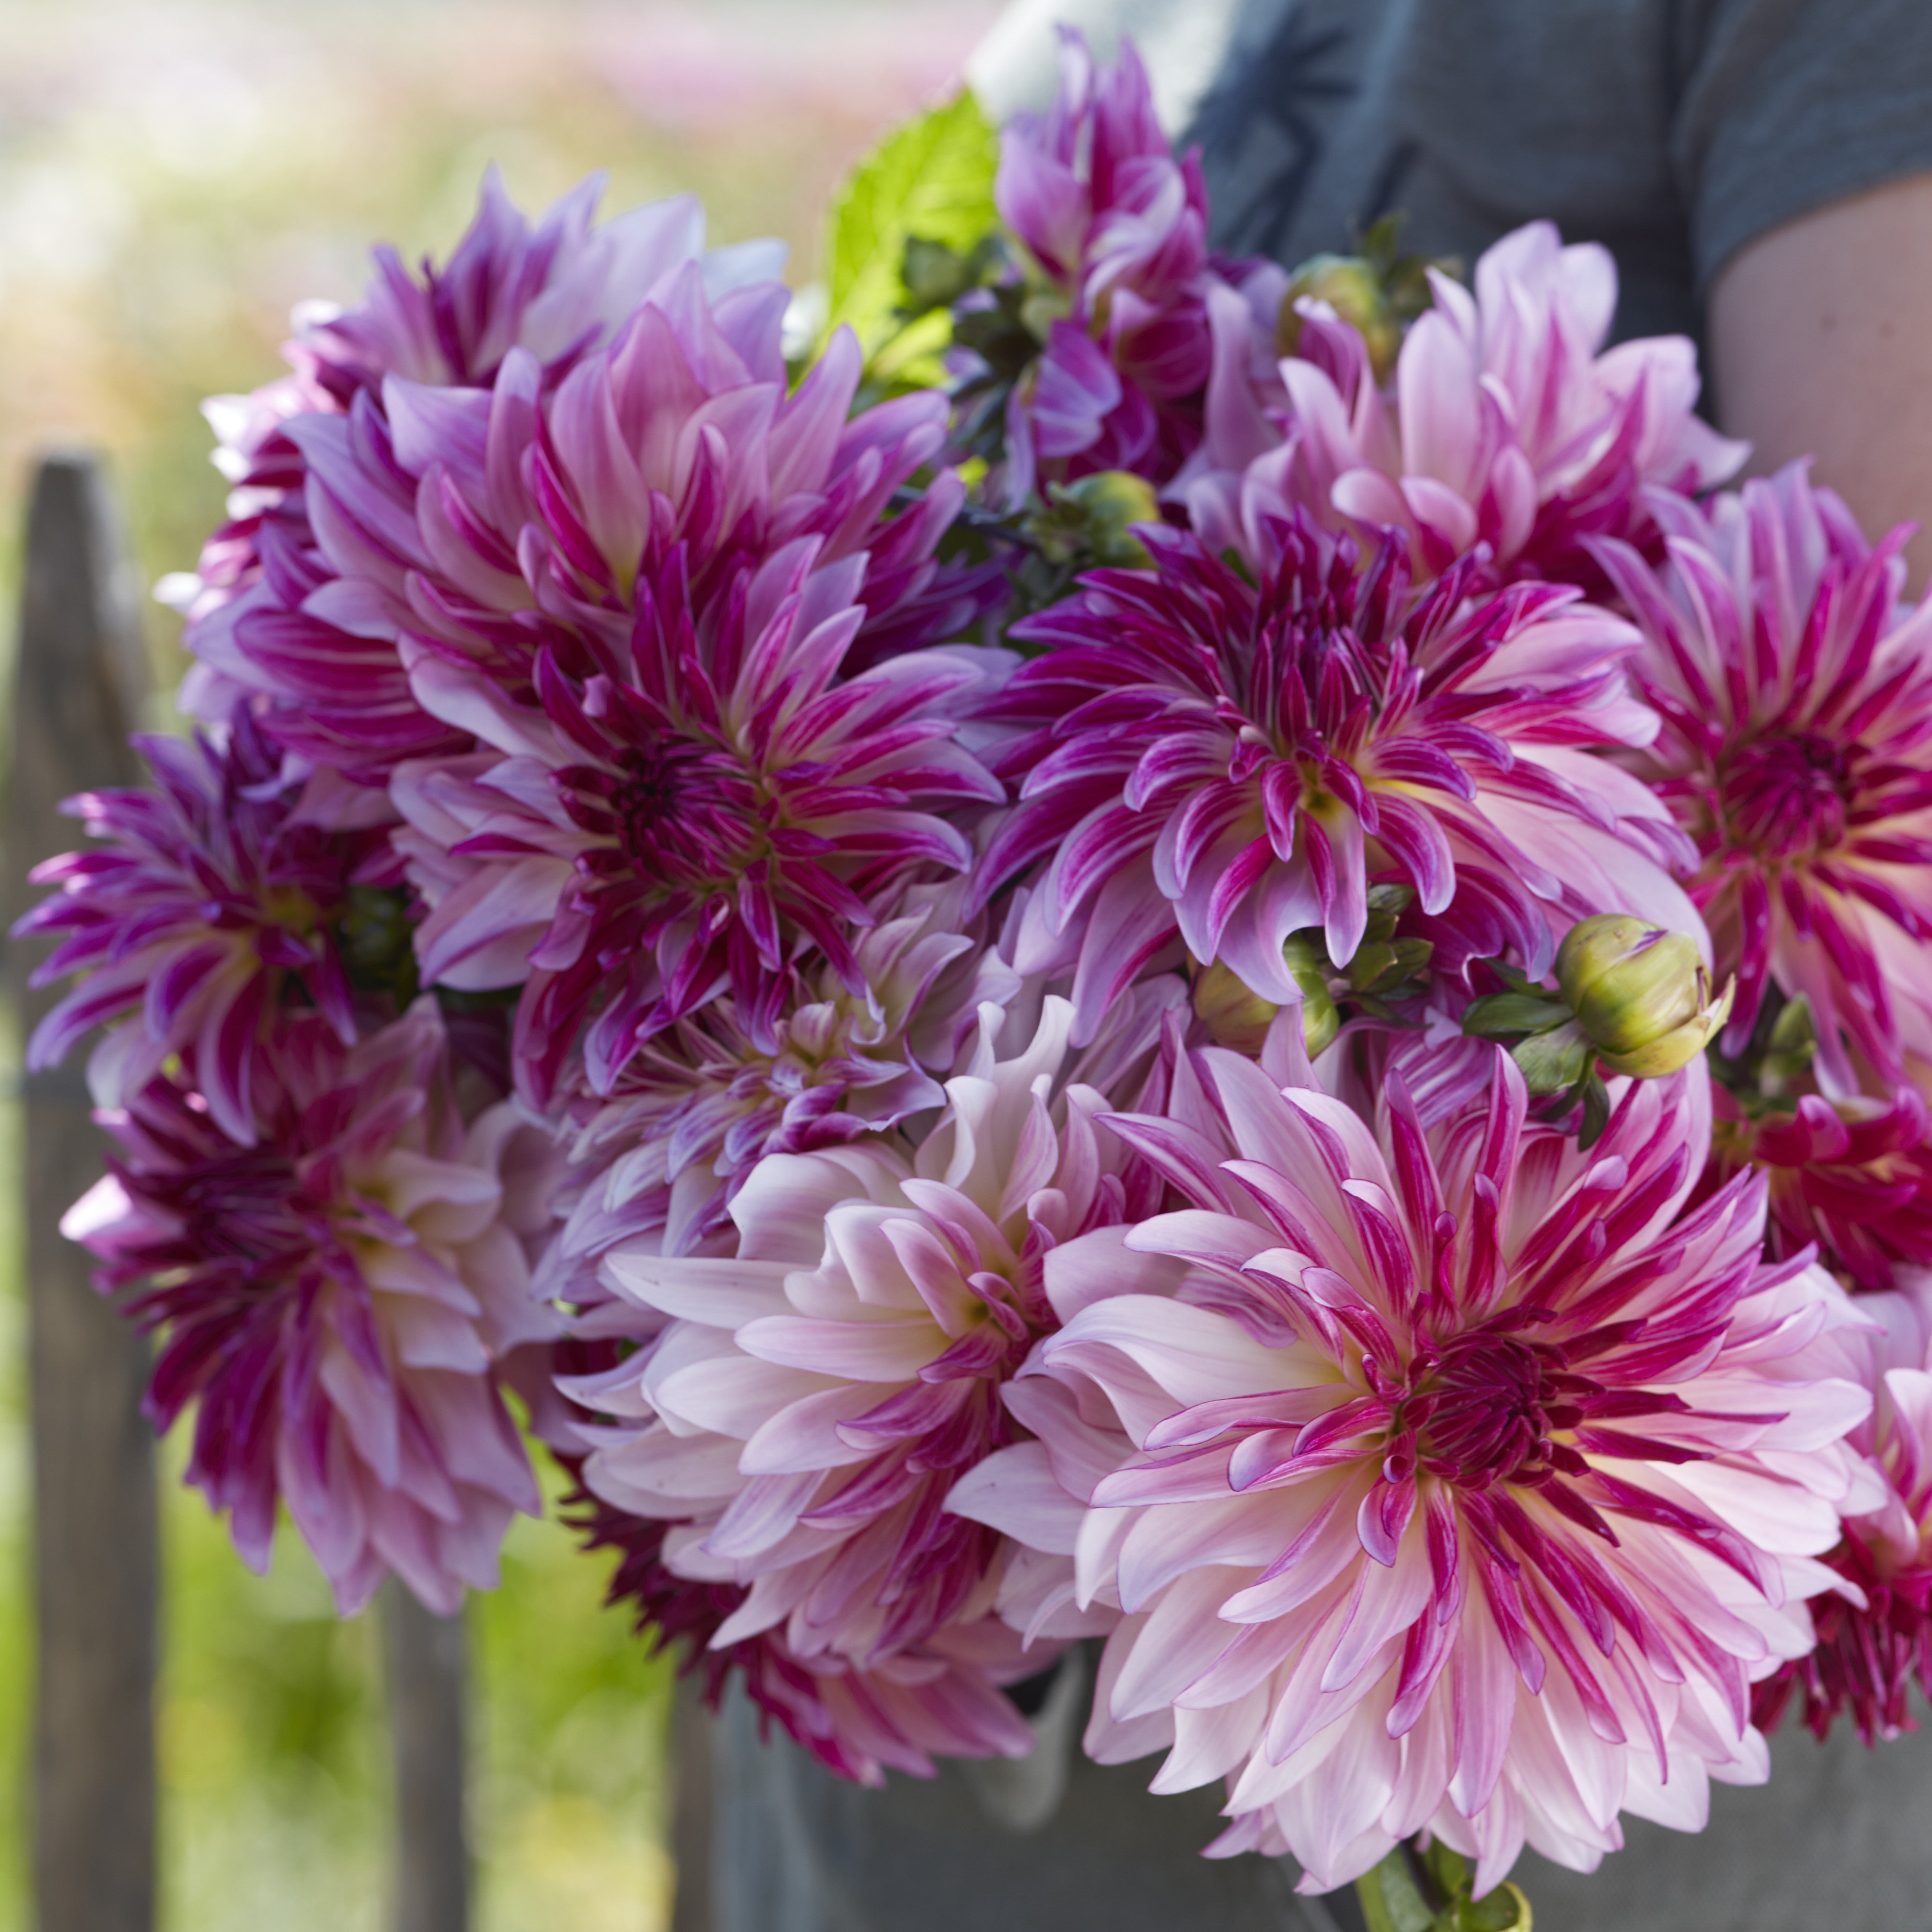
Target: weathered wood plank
<point>426,1658</point>
<point>76,693</point>
<point>694,1767</point>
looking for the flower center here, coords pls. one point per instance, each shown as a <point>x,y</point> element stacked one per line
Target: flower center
<point>1785,795</point>
<point>250,1207</point>
<point>1481,1410</point>
<point>645,798</point>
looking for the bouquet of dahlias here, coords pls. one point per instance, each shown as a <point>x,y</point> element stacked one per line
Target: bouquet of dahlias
<point>1144,951</point>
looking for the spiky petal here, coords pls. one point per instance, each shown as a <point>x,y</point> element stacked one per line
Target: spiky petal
<point>665,1151</point>
<point>702,808</point>
<point>1115,225</point>
<point>1852,1177</point>
<point>263,622</point>
<point>204,897</point>
<point>1875,1630</point>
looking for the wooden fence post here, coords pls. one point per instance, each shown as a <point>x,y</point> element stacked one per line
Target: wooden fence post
<point>77,691</point>
<point>694,1757</point>
<point>426,1673</point>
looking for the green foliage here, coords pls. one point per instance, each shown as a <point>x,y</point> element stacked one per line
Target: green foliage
<point>909,234</point>
<point>907,225</point>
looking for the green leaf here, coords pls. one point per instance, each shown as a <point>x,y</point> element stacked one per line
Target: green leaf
<point>1497,1015</point>
<point>1550,1062</point>
<point>931,180</point>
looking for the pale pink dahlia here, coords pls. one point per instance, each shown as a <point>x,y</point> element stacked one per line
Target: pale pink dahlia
<point>1875,1639</point>
<point>203,898</point>
<point>1506,427</point>
<point>331,1297</point>
<point>1229,760</point>
<point>1114,226</point>
<point>263,624</point>
<point>817,1395</point>
<point>1464,1482</point>
<point>700,809</point>
<point>1796,695</point>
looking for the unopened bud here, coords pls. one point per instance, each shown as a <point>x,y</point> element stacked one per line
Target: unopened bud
<point>1092,519</point>
<point>1353,288</point>
<point>1642,994</point>
<point>1237,1016</point>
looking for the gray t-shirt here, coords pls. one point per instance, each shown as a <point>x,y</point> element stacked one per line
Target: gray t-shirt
<point>1673,131</point>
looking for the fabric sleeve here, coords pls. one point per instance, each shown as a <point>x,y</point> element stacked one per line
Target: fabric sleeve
<point>1790,105</point>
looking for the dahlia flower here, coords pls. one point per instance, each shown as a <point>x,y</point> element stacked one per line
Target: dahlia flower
<point>205,895</point>
<point>702,1103</point>
<point>1796,752</point>
<point>474,528</point>
<point>1231,761</point>
<point>1459,1480</point>
<point>331,1295</point>
<point>1506,428</point>
<point>1875,1637</point>
<point>260,618</point>
<point>1114,231</point>
<point>1852,1178</point>
<point>698,813</point>
<point>817,1395</point>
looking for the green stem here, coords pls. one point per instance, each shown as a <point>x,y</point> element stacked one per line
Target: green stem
<point>1392,1901</point>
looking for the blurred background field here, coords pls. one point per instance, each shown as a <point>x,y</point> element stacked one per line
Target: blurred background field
<point>174,176</point>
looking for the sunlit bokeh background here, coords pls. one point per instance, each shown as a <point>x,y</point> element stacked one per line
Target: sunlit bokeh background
<point>174,177</point>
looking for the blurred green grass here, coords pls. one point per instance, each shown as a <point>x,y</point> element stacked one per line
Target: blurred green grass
<point>174,176</point>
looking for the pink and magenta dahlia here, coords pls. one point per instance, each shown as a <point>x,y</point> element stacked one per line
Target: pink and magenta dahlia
<point>262,623</point>
<point>1851,1177</point>
<point>204,898</point>
<point>1795,692</point>
<point>1114,227</point>
<point>1875,1637</point>
<point>331,1295</point>
<point>1464,1482</point>
<point>1200,755</point>
<point>705,810</point>
<point>473,529</point>
<point>1507,428</point>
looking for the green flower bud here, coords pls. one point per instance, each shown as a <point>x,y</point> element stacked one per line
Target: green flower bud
<point>1641,994</point>
<point>1089,522</point>
<point>1353,288</point>
<point>1237,1016</point>
<point>1110,503</point>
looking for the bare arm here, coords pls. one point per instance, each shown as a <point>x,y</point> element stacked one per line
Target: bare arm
<point>1821,345</point>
